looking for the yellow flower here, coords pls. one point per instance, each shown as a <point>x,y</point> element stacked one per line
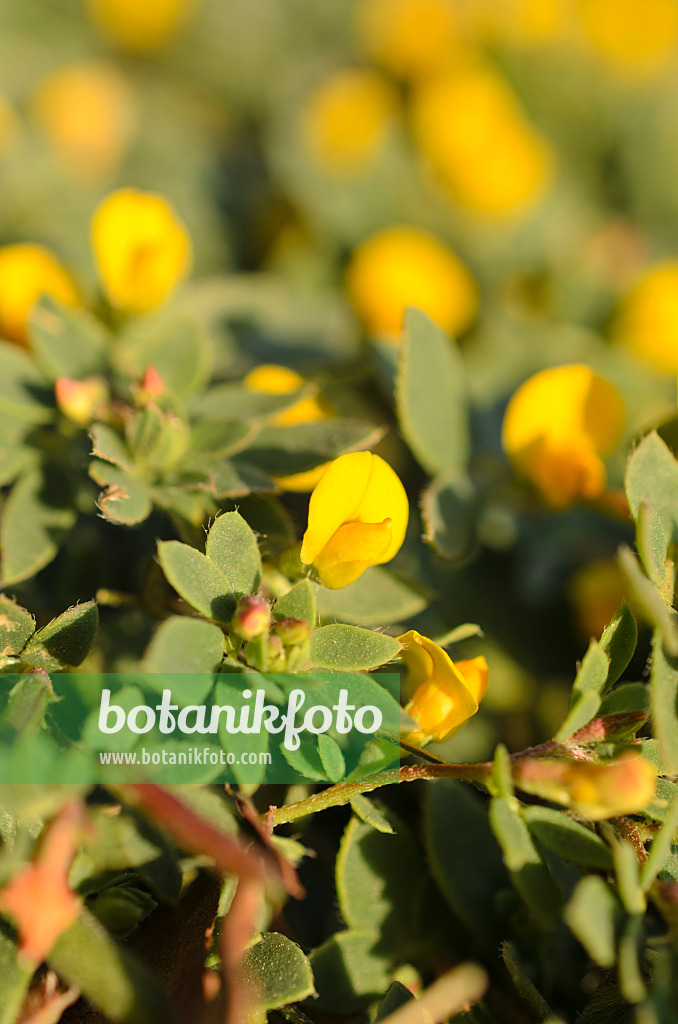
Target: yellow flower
<point>474,135</point>
<point>409,37</point>
<point>142,249</point>
<point>401,267</point>
<point>638,37</point>
<point>443,694</point>
<point>280,380</point>
<point>26,273</point>
<point>357,517</point>
<point>647,320</point>
<point>81,400</point>
<point>346,120</point>
<point>597,791</point>
<point>87,111</point>
<point>557,426</point>
<point>140,27</point>
<point>528,22</point>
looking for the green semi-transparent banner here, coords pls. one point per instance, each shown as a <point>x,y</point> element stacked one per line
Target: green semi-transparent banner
<point>87,728</point>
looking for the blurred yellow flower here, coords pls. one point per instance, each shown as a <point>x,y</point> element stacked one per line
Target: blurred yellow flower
<point>142,249</point>
<point>81,401</point>
<point>346,120</point>
<point>528,22</point>
<point>596,591</point>
<point>471,130</point>
<point>357,517</point>
<point>442,693</point>
<point>140,27</point>
<point>647,320</point>
<point>87,111</point>
<point>638,37</point>
<point>557,426</point>
<point>26,273</point>
<point>280,380</point>
<point>404,266</point>
<point>625,785</point>
<point>409,37</point>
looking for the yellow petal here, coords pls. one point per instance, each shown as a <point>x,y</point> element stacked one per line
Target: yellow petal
<point>442,697</point>
<point>647,321</point>
<point>353,548</point>
<point>271,379</point>
<point>301,483</point>
<point>142,249</point>
<point>335,501</point>
<point>26,273</point>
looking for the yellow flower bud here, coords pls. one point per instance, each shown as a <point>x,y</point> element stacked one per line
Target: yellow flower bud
<point>346,120</point>
<point>142,249</point>
<point>26,273</point>
<point>140,27</point>
<point>443,694</point>
<point>636,37</point>
<point>409,37</point>
<point>80,400</point>
<point>557,426</point>
<point>86,109</point>
<point>357,517</point>
<point>647,321</point>
<point>280,380</point>
<point>401,267</point>
<point>596,791</point>
<point>473,133</point>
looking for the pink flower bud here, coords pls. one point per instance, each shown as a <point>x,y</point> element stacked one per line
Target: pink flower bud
<point>292,632</point>
<point>252,617</point>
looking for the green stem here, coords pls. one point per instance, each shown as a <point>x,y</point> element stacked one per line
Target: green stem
<point>343,792</point>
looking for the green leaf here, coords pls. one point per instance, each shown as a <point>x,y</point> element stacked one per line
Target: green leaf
<point>652,477</point>
<point>297,603</point>
<point>524,985</point>
<point>27,702</point>
<point>331,757</point>
<point>379,881</point>
<point>627,871</point>
<point>648,601</point>
<point>197,580</point>
<point>229,691</point>
<point>580,714</point>
<point>66,640</point>
<point>24,393</point>
<point>369,812</point>
<point>239,403</point>
<point>109,446</point>
<point>626,699</point>
<point>185,645</point>
<point>350,648</point>
<point>277,972</point>
<point>661,849</point>
<point>232,547</point>
<point>619,640</point>
<point>178,347</point>
<point>587,689</point>
<point>591,916</point>
<point>651,542</point>
<point>431,397</point>
<point>568,838</point>
<point>67,342</point>
<point>35,520</point>
<point>530,875</point>
<point>235,478</point>
<point>350,971</point>
<point>281,451</point>
<point>664,703</point>
<point>16,626</point>
<point>449,509</point>
<point>464,857</point>
<point>14,978</point>
<point>16,454</point>
<point>218,438</point>
<point>109,976</point>
<point>125,500</point>
<point>377,598</point>
<point>396,996</point>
